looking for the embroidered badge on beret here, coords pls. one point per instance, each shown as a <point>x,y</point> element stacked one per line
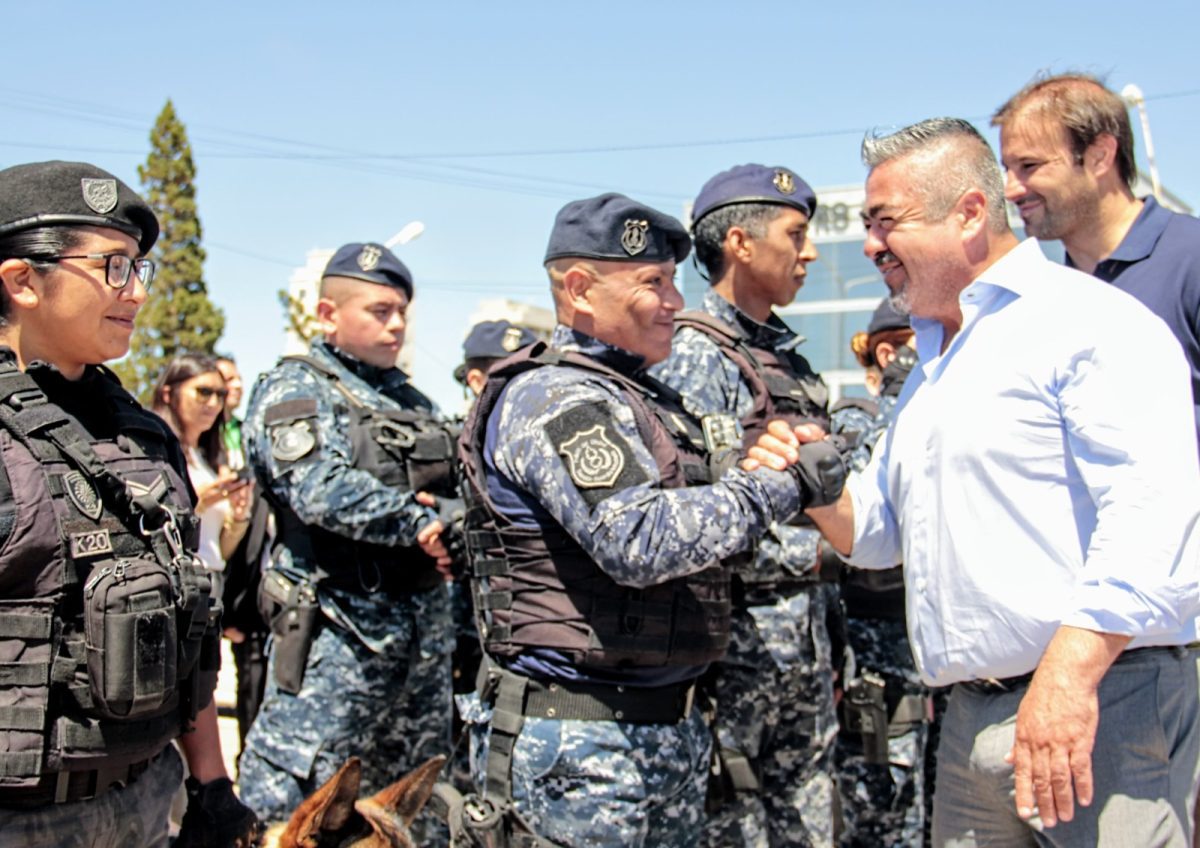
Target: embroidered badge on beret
<point>633,240</point>
<point>290,442</point>
<point>784,182</point>
<point>369,258</point>
<point>512,339</point>
<point>81,493</point>
<point>100,195</point>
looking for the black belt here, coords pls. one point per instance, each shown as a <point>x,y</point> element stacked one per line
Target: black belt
<point>593,702</point>
<point>66,787</point>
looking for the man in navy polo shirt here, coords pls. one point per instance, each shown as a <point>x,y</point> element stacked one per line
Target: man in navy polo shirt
<point>1067,146</point>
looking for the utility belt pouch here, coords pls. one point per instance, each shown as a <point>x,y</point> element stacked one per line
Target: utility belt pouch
<point>291,608</point>
<point>865,712</point>
<point>132,642</point>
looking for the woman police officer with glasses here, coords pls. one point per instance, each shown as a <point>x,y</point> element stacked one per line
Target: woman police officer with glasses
<point>107,628</point>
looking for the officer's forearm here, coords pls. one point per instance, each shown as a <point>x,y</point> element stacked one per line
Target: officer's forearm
<point>202,746</point>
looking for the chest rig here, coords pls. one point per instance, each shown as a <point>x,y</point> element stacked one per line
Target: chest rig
<point>537,588</point>
<point>108,633</point>
<point>407,449</point>
<point>782,383</point>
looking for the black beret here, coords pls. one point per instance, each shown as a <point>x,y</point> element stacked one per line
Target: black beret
<point>618,229</point>
<point>886,317</point>
<point>64,194</point>
<point>371,263</point>
<point>754,184</point>
<point>492,340</point>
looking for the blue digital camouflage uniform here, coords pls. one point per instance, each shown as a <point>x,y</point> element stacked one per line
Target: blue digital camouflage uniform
<point>882,804</point>
<point>608,783</point>
<point>377,679</point>
<point>774,690</point>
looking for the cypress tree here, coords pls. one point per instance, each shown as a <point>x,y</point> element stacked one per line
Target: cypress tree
<point>178,316</point>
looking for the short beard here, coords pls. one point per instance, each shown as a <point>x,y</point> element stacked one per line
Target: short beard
<point>899,300</point>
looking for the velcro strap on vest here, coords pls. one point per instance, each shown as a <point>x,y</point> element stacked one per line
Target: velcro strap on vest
<point>496,600</point>
<point>18,625</point>
<point>22,718</point>
<point>20,764</point>
<point>24,674</point>
<point>489,567</point>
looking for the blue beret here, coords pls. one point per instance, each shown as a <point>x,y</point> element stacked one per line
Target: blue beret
<point>371,263</point>
<point>492,340</point>
<point>754,184</point>
<point>618,229</point>
<point>65,194</point>
<point>886,317</point>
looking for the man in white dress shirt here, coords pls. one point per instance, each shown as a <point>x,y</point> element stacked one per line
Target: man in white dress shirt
<point>1044,513</point>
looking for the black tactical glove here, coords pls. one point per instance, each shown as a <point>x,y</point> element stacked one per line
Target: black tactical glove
<point>215,818</point>
<point>820,472</point>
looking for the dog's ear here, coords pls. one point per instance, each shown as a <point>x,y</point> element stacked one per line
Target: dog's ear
<point>408,795</point>
<point>327,809</point>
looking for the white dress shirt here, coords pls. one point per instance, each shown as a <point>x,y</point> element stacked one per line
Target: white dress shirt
<point>1042,471</point>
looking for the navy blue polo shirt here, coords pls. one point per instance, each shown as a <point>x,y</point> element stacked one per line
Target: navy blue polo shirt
<point>1158,262</point>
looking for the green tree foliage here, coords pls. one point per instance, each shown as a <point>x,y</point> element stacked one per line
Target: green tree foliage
<point>178,316</point>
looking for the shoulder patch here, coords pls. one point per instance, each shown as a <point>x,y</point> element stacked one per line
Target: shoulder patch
<point>598,458</point>
<point>290,442</point>
<point>290,410</point>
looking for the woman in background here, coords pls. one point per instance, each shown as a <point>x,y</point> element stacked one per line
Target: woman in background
<point>190,397</point>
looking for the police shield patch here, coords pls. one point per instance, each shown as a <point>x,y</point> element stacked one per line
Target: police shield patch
<point>100,195</point>
<point>292,441</point>
<point>81,493</point>
<point>593,461</point>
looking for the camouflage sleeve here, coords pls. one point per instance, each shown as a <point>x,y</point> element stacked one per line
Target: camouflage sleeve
<point>570,439</point>
<point>709,381</point>
<point>860,429</point>
<point>298,440</point>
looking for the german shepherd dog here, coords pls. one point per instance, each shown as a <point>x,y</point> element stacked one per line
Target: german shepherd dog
<point>335,817</point>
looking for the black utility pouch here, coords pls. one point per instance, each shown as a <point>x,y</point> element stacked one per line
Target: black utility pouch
<point>132,642</point>
<point>292,609</point>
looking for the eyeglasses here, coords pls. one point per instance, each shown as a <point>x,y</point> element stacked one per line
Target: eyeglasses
<point>207,393</point>
<point>117,267</point>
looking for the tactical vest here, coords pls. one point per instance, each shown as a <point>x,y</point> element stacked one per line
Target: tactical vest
<point>108,635</point>
<point>409,450</point>
<point>782,384</point>
<point>537,588</point>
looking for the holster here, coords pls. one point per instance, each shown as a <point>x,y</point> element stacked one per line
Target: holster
<point>864,711</point>
<point>478,822</point>
<point>291,607</point>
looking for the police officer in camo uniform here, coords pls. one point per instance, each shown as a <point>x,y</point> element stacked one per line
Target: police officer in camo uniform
<point>883,746</point>
<point>597,526</point>
<point>355,462</point>
<point>108,633</point>
<point>737,366</point>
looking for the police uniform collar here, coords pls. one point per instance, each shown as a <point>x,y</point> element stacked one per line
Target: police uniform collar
<point>573,341</point>
<point>773,335</point>
<point>374,376</point>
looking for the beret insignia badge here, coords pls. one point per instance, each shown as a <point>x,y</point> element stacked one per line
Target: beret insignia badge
<point>593,461</point>
<point>81,493</point>
<point>634,237</point>
<point>100,195</point>
<point>511,340</point>
<point>784,183</point>
<point>369,257</point>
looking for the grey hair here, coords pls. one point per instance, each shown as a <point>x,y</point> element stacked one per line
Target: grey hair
<point>954,158</point>
<point>708,234</point>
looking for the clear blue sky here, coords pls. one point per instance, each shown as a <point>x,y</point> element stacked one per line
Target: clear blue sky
<point>315,124</point>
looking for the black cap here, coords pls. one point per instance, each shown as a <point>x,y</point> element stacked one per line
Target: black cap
<point>64,194</point>
<point>492,340</point>
<point>754,184</point>
<point>618,229</point>
<point>371,263</point>
<point>886,317</point>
